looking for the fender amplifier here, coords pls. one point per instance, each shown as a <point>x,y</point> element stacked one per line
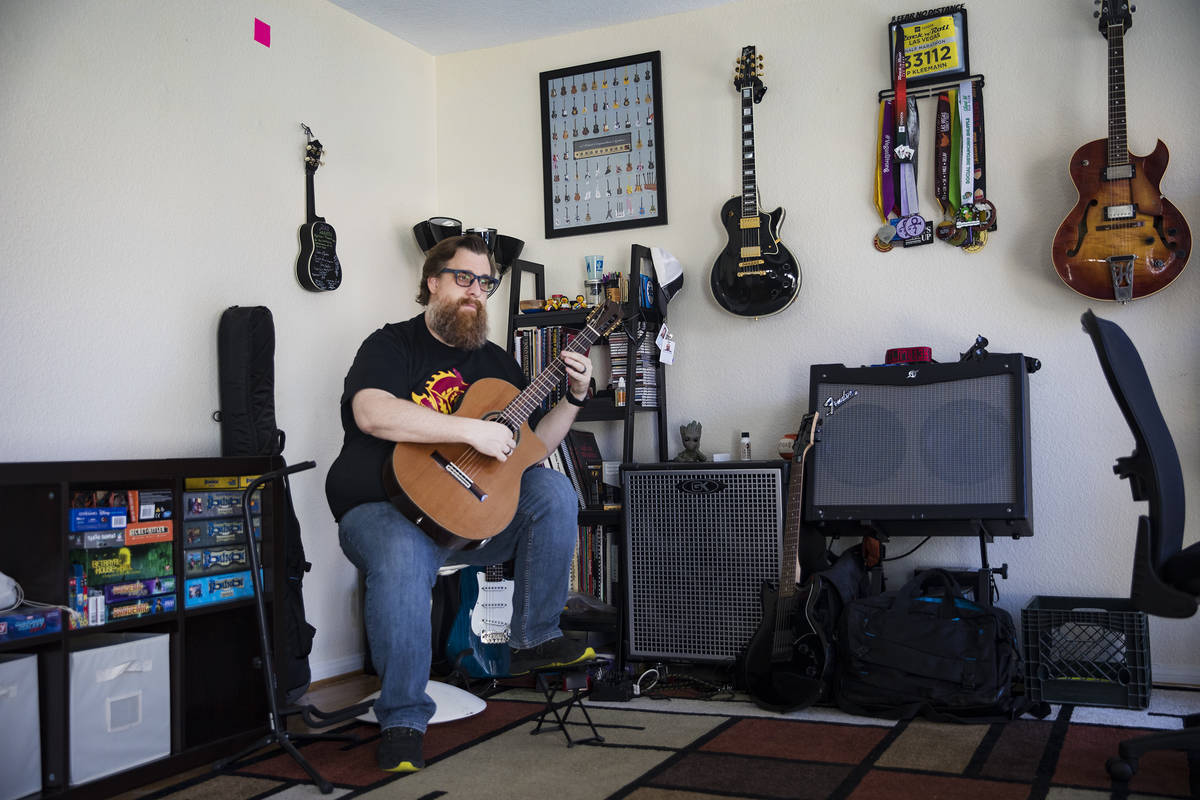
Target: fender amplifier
<point>921,449</point>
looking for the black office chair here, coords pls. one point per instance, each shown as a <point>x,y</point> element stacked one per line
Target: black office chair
<point>1166,575</point>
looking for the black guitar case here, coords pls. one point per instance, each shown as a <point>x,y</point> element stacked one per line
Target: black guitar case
<point>246,365</point>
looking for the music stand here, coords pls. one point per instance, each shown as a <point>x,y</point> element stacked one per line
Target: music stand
<point>313,717</point>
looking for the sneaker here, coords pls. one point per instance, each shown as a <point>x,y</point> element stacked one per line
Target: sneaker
<point>400,750</point>
<point>560,652</point>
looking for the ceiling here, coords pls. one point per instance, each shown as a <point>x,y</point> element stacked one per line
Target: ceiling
<point>452,26</point>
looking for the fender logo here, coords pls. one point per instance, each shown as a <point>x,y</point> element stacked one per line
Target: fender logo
<point>832,405</point>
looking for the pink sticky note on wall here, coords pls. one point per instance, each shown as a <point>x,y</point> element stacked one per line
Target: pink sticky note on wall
<point>262,32</point>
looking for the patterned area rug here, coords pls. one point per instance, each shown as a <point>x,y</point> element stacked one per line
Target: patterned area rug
<point>690,749</point>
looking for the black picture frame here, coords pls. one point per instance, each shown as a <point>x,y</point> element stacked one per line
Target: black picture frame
<point>942,57</point>
<point>621,117</point>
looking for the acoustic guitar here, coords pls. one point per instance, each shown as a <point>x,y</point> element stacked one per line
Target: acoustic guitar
<point>317,267</point>
<point>1123,240</point>
<point>755,275</point>
<point>454,493</point>
<point>785,662</point>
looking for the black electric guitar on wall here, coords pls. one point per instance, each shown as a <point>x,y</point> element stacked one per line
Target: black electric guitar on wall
<point>317,267</point>
<point>755,275</point>
<point>784,665</point>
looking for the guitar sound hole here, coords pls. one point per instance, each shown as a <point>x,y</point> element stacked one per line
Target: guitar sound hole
<point>494,416</point>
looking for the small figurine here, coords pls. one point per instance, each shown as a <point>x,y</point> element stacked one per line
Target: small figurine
<point>690,434</point>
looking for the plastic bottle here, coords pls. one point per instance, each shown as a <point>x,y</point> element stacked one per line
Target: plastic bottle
<point>745,445</point>
<point>620,391</point>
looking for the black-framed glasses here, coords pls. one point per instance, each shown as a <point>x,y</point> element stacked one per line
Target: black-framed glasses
<point>464,278</point>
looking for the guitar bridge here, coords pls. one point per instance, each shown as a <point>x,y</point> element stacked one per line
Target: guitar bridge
<point>456,472</point>
<point>1121,268</point>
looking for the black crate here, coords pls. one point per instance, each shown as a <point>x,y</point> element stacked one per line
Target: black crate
<point>1091,651</point>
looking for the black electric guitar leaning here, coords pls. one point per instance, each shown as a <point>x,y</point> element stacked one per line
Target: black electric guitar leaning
<point>755,275</point>
<point>1123,240</point>
<point>317,267</point>
<point>785,662</point>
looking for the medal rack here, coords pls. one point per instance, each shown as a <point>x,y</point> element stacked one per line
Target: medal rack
<point>964,225</point>
<point>932,89</point>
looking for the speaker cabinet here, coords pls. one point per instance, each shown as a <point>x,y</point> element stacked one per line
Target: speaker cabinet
<point>921,449</point>
<point>700,540</point>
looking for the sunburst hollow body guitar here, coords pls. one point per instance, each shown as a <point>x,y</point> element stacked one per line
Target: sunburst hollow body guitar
<point>1123,240</point>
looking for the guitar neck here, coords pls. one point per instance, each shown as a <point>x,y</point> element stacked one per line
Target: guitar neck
<point>788,570</point>
<point>528,401</point>
<point>1118,146</point>
<point>749,179</point>
<point>791,531</point>
<point>310,196</point>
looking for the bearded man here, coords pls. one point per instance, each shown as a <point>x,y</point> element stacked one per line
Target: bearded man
<point>404,385</point>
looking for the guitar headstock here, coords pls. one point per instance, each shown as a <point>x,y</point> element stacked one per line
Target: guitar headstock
<point>1113,13</point>
<point>748,72</point>
<point>604,319</point>
<point>810,426</point>
<point>313,151</point>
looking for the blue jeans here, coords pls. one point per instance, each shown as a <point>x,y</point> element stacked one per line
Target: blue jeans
<point>401,564</point>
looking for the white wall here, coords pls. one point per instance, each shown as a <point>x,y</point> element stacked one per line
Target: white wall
<point>152,178</point>
<point>1046,94</point>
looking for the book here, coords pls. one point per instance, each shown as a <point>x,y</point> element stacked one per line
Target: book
<point>585,452</point>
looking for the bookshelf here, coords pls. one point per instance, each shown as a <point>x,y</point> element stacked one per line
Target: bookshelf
<point>646,400</point>
<point>216,703</point>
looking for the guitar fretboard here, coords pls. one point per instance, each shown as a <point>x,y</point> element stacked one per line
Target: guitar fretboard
<point>517,412</point>
<point>1118,148</point>
<point>749,181</point>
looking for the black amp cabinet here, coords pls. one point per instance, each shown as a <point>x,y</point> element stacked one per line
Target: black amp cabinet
<point>700,541</point>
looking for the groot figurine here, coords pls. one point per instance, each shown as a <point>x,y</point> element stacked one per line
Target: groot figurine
<point>690,434</point>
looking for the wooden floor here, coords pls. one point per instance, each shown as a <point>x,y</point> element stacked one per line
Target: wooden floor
<point>327,695</point>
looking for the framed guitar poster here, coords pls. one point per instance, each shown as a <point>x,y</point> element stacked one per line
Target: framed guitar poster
<point>935,45</point>
<point>602,146</point>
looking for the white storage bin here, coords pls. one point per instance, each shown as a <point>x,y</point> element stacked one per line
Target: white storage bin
<point>120,703</point>
<point>20,729</point>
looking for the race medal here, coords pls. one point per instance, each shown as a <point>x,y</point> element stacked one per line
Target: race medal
<point>911,226</point>
<point>981,238</point>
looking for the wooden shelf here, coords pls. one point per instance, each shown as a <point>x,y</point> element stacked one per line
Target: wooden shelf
<point>218,702</point>
<point>601,409</point>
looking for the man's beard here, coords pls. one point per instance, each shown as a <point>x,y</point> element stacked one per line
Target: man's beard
<point>464,330</point>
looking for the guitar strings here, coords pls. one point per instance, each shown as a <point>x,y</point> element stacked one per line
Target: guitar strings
<point>471,462</point>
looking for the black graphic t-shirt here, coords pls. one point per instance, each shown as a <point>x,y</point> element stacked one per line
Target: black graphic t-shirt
<point>404,359</point>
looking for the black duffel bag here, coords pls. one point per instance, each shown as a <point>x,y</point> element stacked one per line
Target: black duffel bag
<point>927,650</point>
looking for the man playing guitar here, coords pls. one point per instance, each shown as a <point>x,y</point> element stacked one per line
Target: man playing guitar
<point>406,380</point>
